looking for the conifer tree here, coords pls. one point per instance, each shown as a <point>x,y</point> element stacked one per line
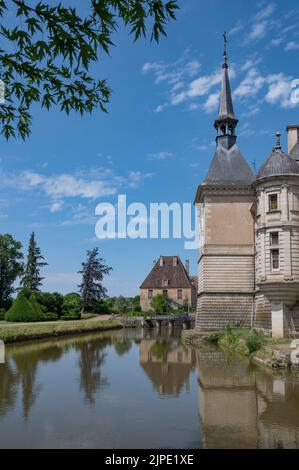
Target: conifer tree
<point>35,261</point>
<point>93,272</point>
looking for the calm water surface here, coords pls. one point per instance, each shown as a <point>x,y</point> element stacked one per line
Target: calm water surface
<point>130,389</point>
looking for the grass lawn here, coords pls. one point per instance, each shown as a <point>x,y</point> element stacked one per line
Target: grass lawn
<point>12,333</point>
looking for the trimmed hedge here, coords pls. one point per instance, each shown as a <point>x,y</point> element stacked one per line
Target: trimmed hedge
<point>26,310</point>
<point>22,310</point>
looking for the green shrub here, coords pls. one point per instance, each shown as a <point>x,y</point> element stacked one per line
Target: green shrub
<point>214,338</point>
<point>254,342</point>
<point>71,316</point>
<point>23,310</point>
<point>50,302</point>
<point>50,316</point>
<point>2,314</point>
<point>159,304</point>
<point>71,302</point>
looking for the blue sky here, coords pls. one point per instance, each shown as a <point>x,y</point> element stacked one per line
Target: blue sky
<point>157,141</point>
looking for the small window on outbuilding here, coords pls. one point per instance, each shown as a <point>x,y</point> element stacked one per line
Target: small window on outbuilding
<point>180,294</point>
<point>165,293</point>
<point>273,202</point>
<point>275,259</point>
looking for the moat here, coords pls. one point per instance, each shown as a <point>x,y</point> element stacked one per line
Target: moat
<point>141,389</point>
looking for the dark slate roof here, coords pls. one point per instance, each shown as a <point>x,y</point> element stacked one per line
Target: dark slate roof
<point>295,151</point>
<point>226,108</point>
<point>176,275</point>
<point>278,164</point>
<point>229,167</point>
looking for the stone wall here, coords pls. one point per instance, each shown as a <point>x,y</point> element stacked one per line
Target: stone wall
<point>145,302</point>
<point>262,314</point>
<point>214,312</point>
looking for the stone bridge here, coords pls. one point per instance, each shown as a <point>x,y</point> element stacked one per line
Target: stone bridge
<point>185,321</point>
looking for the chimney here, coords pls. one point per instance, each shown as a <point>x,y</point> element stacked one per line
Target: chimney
<point>161,261</point>
<point>188,266</point>
<point>293,137</point>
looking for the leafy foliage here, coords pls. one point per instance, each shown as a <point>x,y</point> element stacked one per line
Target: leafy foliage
<point>72,302</point>
<point>52,302</point>
<point>48,50</point>
<point>159,304</point>
<point>11,266</point>
<point>72,315</point>
<point>32,279</point>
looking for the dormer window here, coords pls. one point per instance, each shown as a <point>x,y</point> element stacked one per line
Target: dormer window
<point>175,261</point>
<point>165,283</point>
<point>273,202</point>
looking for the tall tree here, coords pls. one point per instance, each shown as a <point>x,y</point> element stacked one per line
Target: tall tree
<point>11,266</point>
<point>35,261</point>
<point>47,50</point>
<point>93,272</point>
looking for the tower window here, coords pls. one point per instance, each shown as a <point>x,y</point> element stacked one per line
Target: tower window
<point>150,294</point>
<point>273,202</point>
<point>274,238</point>
<point>275,259</point>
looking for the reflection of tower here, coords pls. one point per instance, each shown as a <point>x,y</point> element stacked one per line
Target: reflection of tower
<point>242,408</point>
<point>167,363</point>
<point>277,402</point>
<point>227,403</point>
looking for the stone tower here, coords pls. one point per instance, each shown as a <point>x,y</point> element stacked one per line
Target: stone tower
<point>277,243</point>
<point>224,201</point>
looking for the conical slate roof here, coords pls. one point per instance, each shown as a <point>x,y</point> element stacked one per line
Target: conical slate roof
<point>278,164</point>
<point>229,167</point>
<point>226,108</point>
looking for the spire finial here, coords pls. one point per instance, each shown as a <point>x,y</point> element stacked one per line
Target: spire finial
<point>278,141</point>
<point>225,64</point>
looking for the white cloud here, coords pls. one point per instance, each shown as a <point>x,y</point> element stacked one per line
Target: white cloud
<point>280,91</point>
<point>161,155</point>
<point>265,12</point>
<point>292,46</point>
<point>258,31</point>
<point>56,207</point>
<point>250,86</point>
<point>212,103</point>
<point>67,185</point>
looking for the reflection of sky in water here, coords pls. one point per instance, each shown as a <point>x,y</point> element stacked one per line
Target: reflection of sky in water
<point>132,390</point>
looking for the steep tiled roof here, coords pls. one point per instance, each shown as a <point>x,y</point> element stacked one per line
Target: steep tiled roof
<point>176,276</point>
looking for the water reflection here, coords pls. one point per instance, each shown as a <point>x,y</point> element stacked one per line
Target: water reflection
<point>242,406</point>
<point>167,362</point>
<point>91,391</point>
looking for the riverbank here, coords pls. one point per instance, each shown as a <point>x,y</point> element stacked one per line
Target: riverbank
<point>258,347</point>
<point>27,332</point>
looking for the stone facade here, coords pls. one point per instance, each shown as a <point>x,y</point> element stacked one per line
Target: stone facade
<point>249,233</point>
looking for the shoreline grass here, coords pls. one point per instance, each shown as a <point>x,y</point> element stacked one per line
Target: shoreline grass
<point>16,333</point>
